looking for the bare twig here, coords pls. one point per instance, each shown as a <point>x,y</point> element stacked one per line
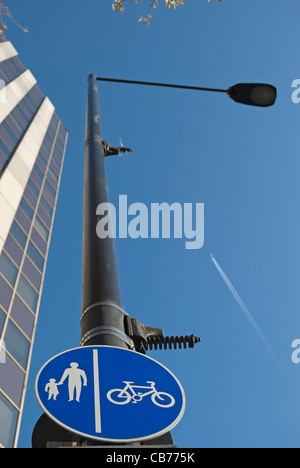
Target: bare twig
<point>118,5</point>
<point>4,11</point>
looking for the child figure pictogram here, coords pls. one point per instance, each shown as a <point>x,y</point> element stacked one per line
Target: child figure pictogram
<point>51,389</point>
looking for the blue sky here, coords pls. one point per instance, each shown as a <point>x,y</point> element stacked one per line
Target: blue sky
<point>242,162</point>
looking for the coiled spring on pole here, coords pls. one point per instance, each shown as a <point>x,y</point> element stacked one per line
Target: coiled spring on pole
<point>158,342</point>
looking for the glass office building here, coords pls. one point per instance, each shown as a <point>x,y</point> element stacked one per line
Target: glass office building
<point>32,148</point>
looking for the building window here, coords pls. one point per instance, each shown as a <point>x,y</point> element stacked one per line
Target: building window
<point>46,206</point>
<point>2,320</point>
<point>18,127</point>
<point>13,250</point>
<point>33,188</point>
<point>12,379</point>
<point>26,208</point>
<point>22,316</point>
<point>2,160</point>
<point>31,199</point>
<point>16,344</point>
<point>35,256</point>
<point>41,228</point>
<point>23,220</point>
<point>9,132</point>
<point>38,241</point>
<point>18,234</point>
<point>38,172</point>
<point>32,273</point>
<point>50,188</point>
<point>8,421</point>
<point>27,293</point>
<point>5,294</point>
<point>41,157</point>
<point>55,176</point>
<point>8,269</point>
<point>4,149</point>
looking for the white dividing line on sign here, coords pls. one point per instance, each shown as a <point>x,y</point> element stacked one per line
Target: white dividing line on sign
<point>98,428</point>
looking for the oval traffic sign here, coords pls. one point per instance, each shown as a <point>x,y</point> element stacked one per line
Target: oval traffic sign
<point>110,394</point>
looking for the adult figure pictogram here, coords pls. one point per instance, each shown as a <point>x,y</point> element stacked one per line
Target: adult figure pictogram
<point>75,376</point>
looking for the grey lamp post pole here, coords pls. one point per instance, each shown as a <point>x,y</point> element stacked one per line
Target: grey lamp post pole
<point>103,317</point>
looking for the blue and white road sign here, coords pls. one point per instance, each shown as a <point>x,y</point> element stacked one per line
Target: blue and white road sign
<point>110,394</point>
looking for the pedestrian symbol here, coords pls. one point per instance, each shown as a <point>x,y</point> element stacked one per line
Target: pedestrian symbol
<point>75,376</point>
<point>51,388</point>
<point>110,394</point>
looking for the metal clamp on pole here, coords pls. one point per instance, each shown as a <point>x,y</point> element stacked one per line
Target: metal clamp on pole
<point>106,330</point>
<point>145,338</point>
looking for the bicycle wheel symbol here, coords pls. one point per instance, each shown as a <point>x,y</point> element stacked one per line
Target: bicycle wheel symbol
<point>162,399</point>
<point>120,396</point>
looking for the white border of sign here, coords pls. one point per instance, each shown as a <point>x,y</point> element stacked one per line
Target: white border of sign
<point>152,436</point>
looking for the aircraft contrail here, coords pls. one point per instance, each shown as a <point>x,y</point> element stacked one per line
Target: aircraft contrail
<point>246,311</point>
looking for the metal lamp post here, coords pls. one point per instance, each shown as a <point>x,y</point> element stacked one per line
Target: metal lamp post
<point>102,320</point>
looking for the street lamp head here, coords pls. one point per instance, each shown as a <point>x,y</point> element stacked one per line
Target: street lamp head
<point>253,94</point>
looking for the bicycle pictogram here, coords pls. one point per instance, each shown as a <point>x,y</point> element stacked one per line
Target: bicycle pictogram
<point>126,395</point>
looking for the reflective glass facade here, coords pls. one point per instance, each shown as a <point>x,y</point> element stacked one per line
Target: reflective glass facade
<point>32,148</point>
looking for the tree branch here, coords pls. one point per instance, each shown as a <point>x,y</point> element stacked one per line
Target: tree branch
<point>4,10</point>
<point>118,5</point>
